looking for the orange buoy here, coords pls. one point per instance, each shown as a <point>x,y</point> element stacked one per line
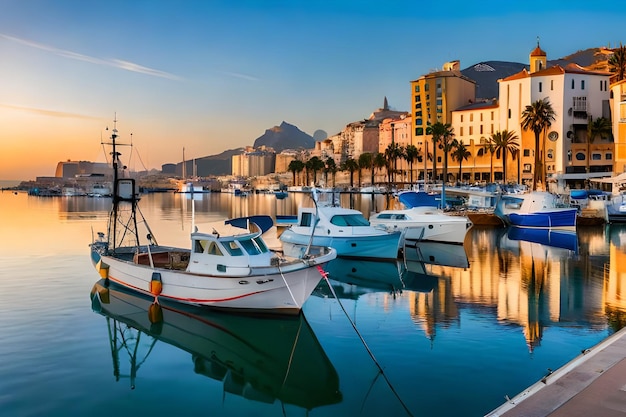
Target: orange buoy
<point>156,285</point>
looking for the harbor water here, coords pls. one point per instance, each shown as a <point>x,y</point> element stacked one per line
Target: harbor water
<point>448,331</point>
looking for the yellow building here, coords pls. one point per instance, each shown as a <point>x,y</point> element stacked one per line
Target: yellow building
<point>434,97</point>
<point>618,107</point>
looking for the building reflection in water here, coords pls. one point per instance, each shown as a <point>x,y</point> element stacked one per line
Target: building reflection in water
<point>534,281</point>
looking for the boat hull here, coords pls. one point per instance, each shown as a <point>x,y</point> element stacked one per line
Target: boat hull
<point>450,232</point>
<point>554,219</point>
<point>277,289</point>
<point>382,246</point>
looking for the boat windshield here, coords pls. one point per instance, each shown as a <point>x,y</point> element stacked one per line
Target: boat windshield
<point>349,220</point>
<point>253,246</point>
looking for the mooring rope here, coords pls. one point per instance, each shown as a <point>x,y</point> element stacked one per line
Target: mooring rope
<point>324,274</point>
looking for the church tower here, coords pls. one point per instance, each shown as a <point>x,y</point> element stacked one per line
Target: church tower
<point>538,59</point>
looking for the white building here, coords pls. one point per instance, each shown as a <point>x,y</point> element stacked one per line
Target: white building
<point>576,94</point>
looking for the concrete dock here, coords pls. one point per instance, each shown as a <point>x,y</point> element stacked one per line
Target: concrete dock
<point>592,384</point>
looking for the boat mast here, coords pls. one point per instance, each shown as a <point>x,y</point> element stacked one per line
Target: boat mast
<point>121,195</point>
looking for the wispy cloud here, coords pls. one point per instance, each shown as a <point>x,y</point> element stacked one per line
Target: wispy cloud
<point>116,63</point>
<point>242,76</point>
<point>51,113</point>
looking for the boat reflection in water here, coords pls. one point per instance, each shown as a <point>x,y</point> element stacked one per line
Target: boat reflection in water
<point>564,239</point>
<point>354,277</point>
<point>261,358</point>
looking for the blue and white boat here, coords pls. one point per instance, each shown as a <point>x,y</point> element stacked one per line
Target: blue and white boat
<point>345,230</point>
<point>537,209</point>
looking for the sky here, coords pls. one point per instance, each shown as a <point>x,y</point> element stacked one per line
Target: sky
<point>207,76</point>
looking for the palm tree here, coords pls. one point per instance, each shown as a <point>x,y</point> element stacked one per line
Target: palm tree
<point>617,62</point>
<point>314,164</point>
<point>487,146</point>
<point>438,131</point>
<point>503,142</point>
<point>411,154</point>
<point>378,162</point>
<point>599,127</point>
<point>365,162</point>
<point>448,144</point>
<point>538,117</point>
<point>350,165</point>
<point>460,153</point>
<point>393,152</point>
<point>295,166</point>
<point>331,166</point>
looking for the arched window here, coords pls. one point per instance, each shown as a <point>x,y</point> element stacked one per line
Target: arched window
<point>580,156</point>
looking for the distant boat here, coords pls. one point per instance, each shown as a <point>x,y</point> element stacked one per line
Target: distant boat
<point>260,358</point>
<point>226,266</point>
<point>538,209</point>
<point>191,187</point>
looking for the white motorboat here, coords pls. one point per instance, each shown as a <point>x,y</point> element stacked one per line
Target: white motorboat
<point>231,268</point>
<point>345,230</point>
<point>423,223</point>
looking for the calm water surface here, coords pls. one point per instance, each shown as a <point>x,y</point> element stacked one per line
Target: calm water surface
<point>451,339</point>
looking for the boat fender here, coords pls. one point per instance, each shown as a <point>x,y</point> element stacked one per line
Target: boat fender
<point>103,269</point>
<point>156,285</point>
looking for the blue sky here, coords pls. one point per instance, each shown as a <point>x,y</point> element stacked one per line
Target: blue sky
<point>213,75</point>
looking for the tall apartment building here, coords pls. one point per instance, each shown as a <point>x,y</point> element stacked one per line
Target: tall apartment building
<point>434,97</point>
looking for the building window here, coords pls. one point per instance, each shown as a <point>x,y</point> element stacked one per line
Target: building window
<point>461,131</point>
<point>418,98</point>
<point>461,118</point>
<point>481,117</point>
<point>426,87</point>
<point>481,129</point>
<point>471,130</point>
<point>551,84</point>
<point>471,117</point>
<point>491,130</point>
<point>596,157</point>
<point>417,88</point>
<point>491,115</point>
<point>526,152</point>
<point>509,113</point>
<point>572,84</point>
<point>580,156</point>
<point>418,122</point>
<point>582,84</point>
<point>527,168</point>
<point>608,156</point>
<point>419,131</point>
<point>540,86</point>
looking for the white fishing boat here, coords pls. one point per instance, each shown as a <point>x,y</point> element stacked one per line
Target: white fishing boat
<point>423,223</point>
<point>232,269</point>
<point>345,230</point>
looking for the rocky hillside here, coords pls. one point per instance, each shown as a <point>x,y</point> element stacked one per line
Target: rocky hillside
<point>285,136</point>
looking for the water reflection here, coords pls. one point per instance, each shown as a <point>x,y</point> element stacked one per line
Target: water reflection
<point>259,358</point>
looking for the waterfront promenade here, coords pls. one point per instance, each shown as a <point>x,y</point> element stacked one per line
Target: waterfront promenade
<point>592,384</point>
